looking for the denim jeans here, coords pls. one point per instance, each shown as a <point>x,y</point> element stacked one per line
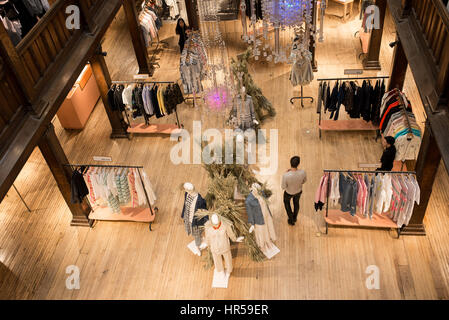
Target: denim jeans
<point>292,215</point>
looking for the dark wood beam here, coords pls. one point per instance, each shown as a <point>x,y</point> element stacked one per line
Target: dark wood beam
<point>138,41</point>
<point>427,165</point>
<point>56,159</point>
<point>192,14</point>
<point>399,67</point>
<point>103,78</point>
<point>26,138</point>
<point>371,61</point>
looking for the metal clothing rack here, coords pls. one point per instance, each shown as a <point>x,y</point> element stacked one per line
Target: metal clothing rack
<point>302,98</point>
<point>180,126</point>
<point>75,166</point>
<point>328,172</point>
<point>352,128</point>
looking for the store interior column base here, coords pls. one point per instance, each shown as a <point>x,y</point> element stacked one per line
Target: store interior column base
<point>414,230</point>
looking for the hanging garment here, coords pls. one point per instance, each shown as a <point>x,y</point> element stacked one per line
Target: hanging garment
<point>78,187</point>
<point>174,9</point>
<point>34,7</point>
<point>302,71</point>
<point>321,193</point>
<point>194,221</point>
<point>243,112</point>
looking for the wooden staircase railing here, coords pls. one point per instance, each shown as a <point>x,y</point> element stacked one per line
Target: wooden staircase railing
<point>433,18</point>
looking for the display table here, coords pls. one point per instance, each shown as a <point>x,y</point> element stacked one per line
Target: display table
<point>80,102</point>
<point>348,5</point>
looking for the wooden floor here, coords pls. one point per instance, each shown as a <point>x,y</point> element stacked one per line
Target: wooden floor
<point>123,260</point>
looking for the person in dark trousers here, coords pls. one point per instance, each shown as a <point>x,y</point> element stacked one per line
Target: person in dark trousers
<point>292,182</point>
<point>181,30</point>
<point>389,154</point>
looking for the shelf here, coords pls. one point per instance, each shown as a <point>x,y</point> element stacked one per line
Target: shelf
<point>347,125</point>
<point>339,218</point>
<point>155,128</point>
<point>127,214</point>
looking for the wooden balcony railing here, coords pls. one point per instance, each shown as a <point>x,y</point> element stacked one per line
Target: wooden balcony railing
<point>12,102</point>
<point>46,43</point>
<point>433,18</point>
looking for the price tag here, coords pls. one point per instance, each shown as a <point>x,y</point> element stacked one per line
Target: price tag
<point>353,71</point>
<point>99,158</point>
<point>141,76</point>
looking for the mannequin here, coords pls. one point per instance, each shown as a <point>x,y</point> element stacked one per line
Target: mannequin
<point>193,201</point>
<point>260,218</point>
<point>217,237</point>
<point>243,115</point>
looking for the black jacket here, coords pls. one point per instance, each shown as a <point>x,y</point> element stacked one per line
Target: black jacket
<point>387,159</point>
<point>78,187</point>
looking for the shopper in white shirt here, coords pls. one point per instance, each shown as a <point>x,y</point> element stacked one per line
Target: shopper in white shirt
<point>292,182</point>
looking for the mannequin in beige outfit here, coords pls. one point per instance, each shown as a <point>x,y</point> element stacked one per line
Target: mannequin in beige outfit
<point>265,233</point>
<point>217,237</point>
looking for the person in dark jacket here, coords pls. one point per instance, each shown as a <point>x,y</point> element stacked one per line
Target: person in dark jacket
<point>389,154</point>
<point>181,30</point>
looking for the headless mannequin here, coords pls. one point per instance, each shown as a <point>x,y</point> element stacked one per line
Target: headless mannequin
<point>193,194</point>
<point>265,233</point>
<point>217,237</point>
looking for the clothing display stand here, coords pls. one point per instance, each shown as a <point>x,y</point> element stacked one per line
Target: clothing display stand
<point>348,125</point>
<point>103,213</point>
<point>302,98</point>
<point>153,128</point>
<point>338,218</point>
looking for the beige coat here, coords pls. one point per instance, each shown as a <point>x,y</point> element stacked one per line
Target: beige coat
<point>218,239</point>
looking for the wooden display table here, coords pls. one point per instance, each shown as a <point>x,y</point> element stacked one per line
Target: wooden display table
<point>339,218</point>
<point>348,6</point>
<point>155,128</point>
<point>80,102</point>
<point>347,125</point>
<point>126,214</point>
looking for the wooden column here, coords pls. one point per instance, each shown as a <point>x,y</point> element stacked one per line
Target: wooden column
<point>399,67</point>
<point>429,160</point>
<point>56,159</point>
<point>371,61</point>
<point>192,14</point>
<point>101,73</point>
<point>312,47</point>
<point>140,48</point>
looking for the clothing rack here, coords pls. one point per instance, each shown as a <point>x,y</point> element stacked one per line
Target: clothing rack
<point>404,112</point>
<point>302,98</point>
<point>357,78</point>
<point>383,221</point>
<point>157,128</point>
<point>352,124</point>
<point>74,167</point>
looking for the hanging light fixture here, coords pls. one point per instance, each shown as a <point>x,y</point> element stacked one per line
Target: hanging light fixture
<point>293,15</point>
<point>218,85</point>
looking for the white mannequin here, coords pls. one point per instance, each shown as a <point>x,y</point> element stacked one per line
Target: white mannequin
<point>190,189</point>
<point>244,95</point>
<point>254,189</point>
<point>264,233</point>
<point>215,219</point>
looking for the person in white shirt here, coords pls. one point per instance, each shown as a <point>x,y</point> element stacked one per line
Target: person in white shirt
<point>292,182</point>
